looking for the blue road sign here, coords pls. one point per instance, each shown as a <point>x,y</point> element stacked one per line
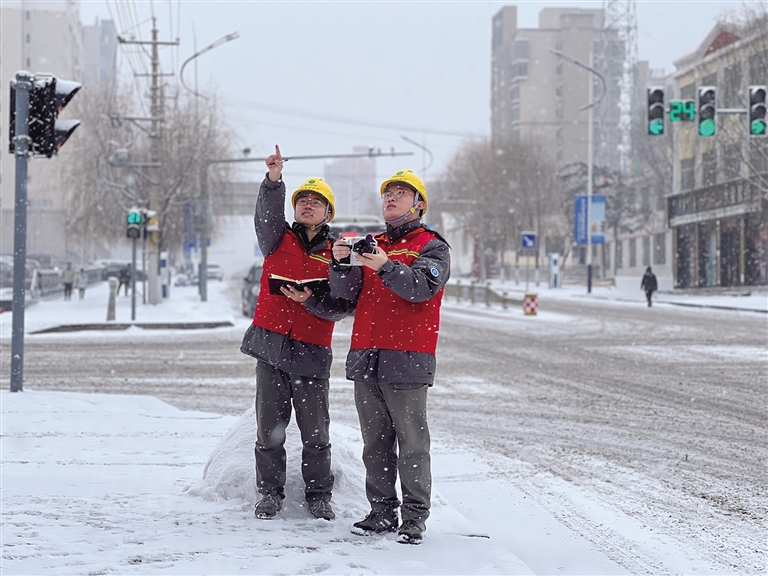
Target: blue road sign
<point>528,241</point>
<point>580,220</point>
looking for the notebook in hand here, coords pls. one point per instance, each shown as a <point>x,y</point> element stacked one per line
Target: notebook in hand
<point>314,284</point>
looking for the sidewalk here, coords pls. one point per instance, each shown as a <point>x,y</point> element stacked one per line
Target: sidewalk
<point>756,301</point>
<point>183,310</point>
<point>100,484</point>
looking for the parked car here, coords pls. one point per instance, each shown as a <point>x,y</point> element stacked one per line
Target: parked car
<point>249,293</point>
<point>214,272</point>
<point>113,267</point>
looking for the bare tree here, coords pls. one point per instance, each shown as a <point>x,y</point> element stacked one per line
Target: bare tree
<point>108,173</point>
<point>751,21</point>
<point>498,191</point>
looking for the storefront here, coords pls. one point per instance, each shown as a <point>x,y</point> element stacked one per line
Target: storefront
<point>720,236</point>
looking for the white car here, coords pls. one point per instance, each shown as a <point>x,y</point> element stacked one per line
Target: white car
<point>214,272</point>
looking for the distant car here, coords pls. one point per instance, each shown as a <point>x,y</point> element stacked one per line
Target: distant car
<point>113,269</point>
<point>250,291</point>
<point>214,272</point>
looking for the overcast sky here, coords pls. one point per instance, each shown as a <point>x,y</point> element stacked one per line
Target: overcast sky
<point>322,77</point>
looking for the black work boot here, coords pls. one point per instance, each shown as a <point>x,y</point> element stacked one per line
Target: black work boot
<point>268,507</point>
<point>411,532</point>
<point>376,522</point>
<point>321,509</point>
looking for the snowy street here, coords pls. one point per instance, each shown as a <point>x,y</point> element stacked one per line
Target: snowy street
<point>598,437</point>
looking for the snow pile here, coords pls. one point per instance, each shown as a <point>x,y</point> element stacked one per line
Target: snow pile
<point>229,472</point>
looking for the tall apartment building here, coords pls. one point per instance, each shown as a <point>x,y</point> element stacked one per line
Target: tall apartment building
<point>354,184</point>
<point>718,207</point>
<point>99,57</point>
<point>534,93</point>
<point>40,37</point>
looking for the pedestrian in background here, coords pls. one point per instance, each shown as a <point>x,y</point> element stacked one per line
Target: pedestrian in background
<point>292,347</point>
<point>68,278</point>
<point>649,284</point>
<point>81,282</point>
<point>398,291</point>
<point>125,279</point>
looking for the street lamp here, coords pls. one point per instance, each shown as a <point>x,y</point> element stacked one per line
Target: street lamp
<point>203,272</point>
<point>425,149</point>
<point>219,42</point>
<point>590,152</point>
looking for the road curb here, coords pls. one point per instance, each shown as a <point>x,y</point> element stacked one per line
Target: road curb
<point>688,304</point>
<point>124,326</point>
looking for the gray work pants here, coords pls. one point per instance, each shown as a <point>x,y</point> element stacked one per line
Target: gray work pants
<point>393,422</point>
<point>274,391</point>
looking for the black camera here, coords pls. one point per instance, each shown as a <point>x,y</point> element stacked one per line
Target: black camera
<point>360,245</point>
<point>365,246</point>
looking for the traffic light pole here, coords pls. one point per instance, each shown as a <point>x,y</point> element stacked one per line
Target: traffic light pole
<point>134,271</point>
<point>21,143</point>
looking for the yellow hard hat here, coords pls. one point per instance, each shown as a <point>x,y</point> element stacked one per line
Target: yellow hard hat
<point>410,179</point>
<point>317,186</point>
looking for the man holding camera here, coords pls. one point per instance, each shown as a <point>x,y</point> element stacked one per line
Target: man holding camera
<point>398,290</point>
<point>293,347</point>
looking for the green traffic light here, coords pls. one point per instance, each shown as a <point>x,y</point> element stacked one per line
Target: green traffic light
<point>758,127</point>
<point>656,127</point>
<point>707,127</point>
<point>134,217</point>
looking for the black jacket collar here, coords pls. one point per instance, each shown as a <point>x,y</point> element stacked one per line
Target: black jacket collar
<point>301,231</point>
<point>397,232</point>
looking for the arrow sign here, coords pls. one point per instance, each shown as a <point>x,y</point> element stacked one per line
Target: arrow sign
<point>528,240</point>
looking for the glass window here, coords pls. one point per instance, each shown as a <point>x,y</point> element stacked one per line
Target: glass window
<point>619,254</point>
<point>659,248</point>
<point>646,250</point>
<point>686,174</point>
<point>709,168</point>
<point>632,253</point>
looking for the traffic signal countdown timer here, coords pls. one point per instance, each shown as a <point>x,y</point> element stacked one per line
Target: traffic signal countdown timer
<point>134,222</point>
<point>656,110</point>
<point>707,110</point>
<point>47,97</point>
<point>682,111</point>
<point>757,120</point>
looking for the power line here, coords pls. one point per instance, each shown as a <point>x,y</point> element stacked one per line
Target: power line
<point>342,120</point>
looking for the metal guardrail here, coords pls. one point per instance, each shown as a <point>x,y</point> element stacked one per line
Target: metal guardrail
<point>47,281</point>
<point>475,292</point>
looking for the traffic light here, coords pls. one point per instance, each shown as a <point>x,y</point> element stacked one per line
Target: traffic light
<point>152,229</point>
<point>707,110</point>
<point>656,110</point>
<point>134,222</point>
<point>47,97</point>
<point>757,110</point>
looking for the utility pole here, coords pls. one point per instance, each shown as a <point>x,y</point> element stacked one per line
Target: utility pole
<point>156,119</point>
<point>154,188</point>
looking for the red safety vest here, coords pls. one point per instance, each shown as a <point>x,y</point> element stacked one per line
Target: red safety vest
<point>280,314</point>
<point>384,320</point>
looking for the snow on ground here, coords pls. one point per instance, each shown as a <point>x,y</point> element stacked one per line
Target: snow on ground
<point>100,484</point>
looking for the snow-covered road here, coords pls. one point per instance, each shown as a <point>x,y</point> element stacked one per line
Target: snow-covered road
<point>642,431</point>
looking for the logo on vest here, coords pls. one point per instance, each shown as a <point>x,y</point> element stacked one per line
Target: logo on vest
<point>434,272</point>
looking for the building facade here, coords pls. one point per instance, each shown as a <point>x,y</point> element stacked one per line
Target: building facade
<point>717,209</point>
<point>354,184</point>
<point>536,94</point>
<point>46,38</point>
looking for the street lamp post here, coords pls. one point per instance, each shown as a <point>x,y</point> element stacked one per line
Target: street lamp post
<point>425,149</point>
<point>203,184</point>
<point>590,150</point>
